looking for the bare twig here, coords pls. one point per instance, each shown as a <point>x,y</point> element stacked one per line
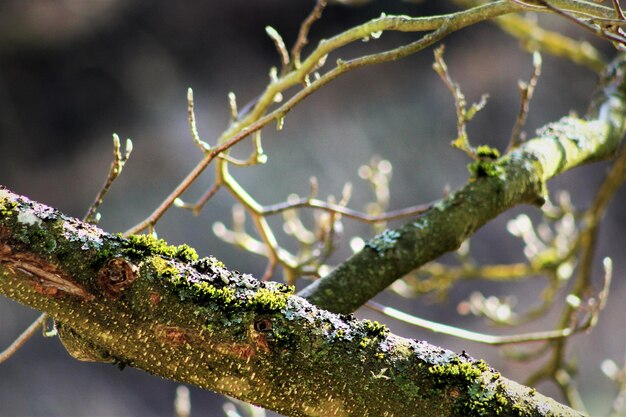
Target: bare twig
<point>22,338</point>
<point>463,115</point>
<point>526,92</point>
<point>344,211</point>
<point>117,165</point>
<point>474,336</point>
<point>204,147</point>
<point>198,205</point>
<point>612,33</point>
<point>280,47</point>
<point>303,34</point>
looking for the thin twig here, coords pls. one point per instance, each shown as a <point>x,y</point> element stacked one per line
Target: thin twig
<point>303,34</point>
<point>463,115</point>
<point>280,47</point>
<point>473,336</point>
<point>114,171</point>
<point>618,10</point>
<point>204,147</point>
<point>617,36</point>
<point>22,338</point>
<point>526,92</point>
<point>533,37</point>
<point>253,121</point>
<point>196,207</point>
<point>344,211</point>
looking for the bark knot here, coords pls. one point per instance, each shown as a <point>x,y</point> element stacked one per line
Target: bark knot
<point>116,276</point>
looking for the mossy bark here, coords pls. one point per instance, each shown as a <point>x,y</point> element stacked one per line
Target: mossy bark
<point>495,186</point>
<point>141,303</point>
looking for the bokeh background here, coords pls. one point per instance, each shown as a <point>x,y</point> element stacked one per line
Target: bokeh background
<point>72,72</point>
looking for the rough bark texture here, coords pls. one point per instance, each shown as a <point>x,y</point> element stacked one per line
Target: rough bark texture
<point>495,186</point>
<point>141,303</point>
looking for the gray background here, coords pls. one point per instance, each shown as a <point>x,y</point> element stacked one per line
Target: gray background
<point>74,71</point>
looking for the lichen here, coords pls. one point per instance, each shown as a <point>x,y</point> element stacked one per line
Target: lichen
<point>456,370</point>
<point>384,241</point>
<point>145,245</point>
<point>374,328</point>
<point>482,398</point>
<point>164,269</point>
<point>268,300</point>
<point>7,205</point>
<point>208,281</point>
<point>485,168</point>
<point>28,217</point>
<point>487,152</point>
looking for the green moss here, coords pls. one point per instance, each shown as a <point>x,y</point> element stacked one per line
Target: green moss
<point>482,365</point>
<point>270,300</point>
<point>7,207</point>
<point>456,371</point>
<point>374,328</point>
<point>485,168</point>
<point>164,269</point>
<point>225,295</point>
<point>145,245</point>
<point>486,164</point>
<point>487,152</point>
<point>365,342</point>
<point>481,399</point>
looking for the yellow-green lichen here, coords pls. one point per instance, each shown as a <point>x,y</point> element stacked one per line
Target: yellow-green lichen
<point>374,328</point>
<point>164,269</point>
<point>481,398</point>
<point>487,152</point>
<point>457,371</point>
<point>7,205</point>
<point>270,300</point>
<point>365,342</point>
<point>144,245</point>
<point>486,164</point>
<point>485,168</point>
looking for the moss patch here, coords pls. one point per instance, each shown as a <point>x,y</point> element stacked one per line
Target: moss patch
<point>481,398</point>
<point>270,300</point>
<point>144,245</point>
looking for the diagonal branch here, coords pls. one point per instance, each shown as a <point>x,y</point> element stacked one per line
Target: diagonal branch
<point>518,177</point>
<point>142,303</point>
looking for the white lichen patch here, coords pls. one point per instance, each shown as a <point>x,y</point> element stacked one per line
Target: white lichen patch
<point>4,194</point>
<point>28,217</point>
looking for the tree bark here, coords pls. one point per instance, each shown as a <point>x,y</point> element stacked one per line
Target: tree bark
<point>141,303</point>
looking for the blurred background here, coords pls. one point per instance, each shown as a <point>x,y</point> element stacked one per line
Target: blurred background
<point>72,72</point>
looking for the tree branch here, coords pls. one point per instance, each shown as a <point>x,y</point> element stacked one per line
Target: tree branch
<point>495,186</point>
<point>136,301</point>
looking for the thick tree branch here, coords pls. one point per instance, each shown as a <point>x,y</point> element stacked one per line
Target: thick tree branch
<point>495,186</point>
<point>141,303</point>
